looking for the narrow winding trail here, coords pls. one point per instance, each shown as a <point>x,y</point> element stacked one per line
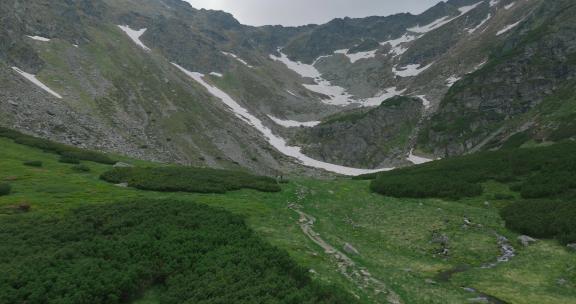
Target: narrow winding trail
<point>358,275</point>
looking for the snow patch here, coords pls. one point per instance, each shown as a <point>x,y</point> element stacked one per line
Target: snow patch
<point>34,80</point>
<point>494,3</point>
<point>508,28</point>
<point>291,93</point>
<point>38,38</point>
<point>417,160</point>
<point>396,44</point>
<point>444,20</point>
<point>472,30</point>
<point>452,80</point>
<point>357,56</point>
<point>238,59</point>
<point>304,70</point>
<point>383,96</point>
<point>216,74</point>
<point>410,70</point>
<point>276,141</point>
<point>509,6</point>
<point>135,36</point>
<point>425,102</point>
<point>293,123</point>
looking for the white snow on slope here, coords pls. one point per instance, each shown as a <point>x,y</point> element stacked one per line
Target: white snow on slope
<point>276,141</point>
<point>410,70</point>
<point>304,70</point>
<point>452,80</point>
<point>509,6</point>
<point>508,28</point>
<point>238,59</point>
<point>135,36</point>
<point>396,44</point>
<point>472,30</point>
<point>357,56</point>
<point>417,160</point>
<point>293,123</point>
<point>444,20</point>
<point>378,99</point>
<point>494,2</point>
<point>425,102</point>
<point>336,95</point>
<point>291,93</point>
<point>38,38</point>
<point>34,80</point>
<point>216,74</point>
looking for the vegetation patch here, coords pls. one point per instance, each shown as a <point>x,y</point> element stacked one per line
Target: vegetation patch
<point>187,252</point>
<point>53,147</point>
<point>188,179</point>
<point>5,189</point>
<point>33,163</point>
<point>543,218</point>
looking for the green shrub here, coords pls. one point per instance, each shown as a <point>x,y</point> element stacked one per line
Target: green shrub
<point>188,179</point>
<point>113,253</point>
<point>81,168</point>
<point>5,189</point>
<point>33,163</point>
<point>535,172</point>
<point>67,158</point>
<point>543,218</point>
<point>53,147</point>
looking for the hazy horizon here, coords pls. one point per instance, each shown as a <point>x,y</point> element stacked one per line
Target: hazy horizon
<point>300,12</point>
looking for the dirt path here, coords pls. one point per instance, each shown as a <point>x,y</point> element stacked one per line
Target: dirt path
<point>346,266</point>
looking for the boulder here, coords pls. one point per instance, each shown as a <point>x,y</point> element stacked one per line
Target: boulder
<point>526,240</point>
<point>572,246</point>
<point>350,249</point>
<point>122,165</point>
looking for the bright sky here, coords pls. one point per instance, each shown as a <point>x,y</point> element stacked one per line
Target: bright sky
<point>299,12</point>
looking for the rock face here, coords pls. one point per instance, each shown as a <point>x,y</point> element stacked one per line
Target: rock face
<point>526,240</point>
<point>530,72</point>
<point>365,138</point>
<point>350,249</point>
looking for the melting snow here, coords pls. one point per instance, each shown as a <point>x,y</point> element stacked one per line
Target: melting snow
<point>417,160</point>
<point>508,28</point>
<point>304,70</point>
<point>238,59</point>
<point>425,102</point>
<point>509,6</point>
<point>471,31</point>
<point>291,93</point>
<point>410,70</point>
<point>135,35</point>
<point>444,20</point>
<point>216,74</point>
<point>38,38</point>
<point>34,80</point>
<point>274,140</point>
<point>494,2</point>
<point>293,123</point>
<point>357,56</point>
<point>378,99</point>
<point>452,80</point>
<point>396,44</point>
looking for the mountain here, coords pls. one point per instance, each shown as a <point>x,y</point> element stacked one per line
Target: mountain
<point>161,80</point>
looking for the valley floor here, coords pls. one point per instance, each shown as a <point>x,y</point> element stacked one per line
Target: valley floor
<point>421,251</point>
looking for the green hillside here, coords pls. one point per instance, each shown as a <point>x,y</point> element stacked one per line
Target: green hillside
<point>55,211</point>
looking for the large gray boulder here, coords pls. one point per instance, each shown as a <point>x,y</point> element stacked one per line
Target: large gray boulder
<point>526,240</point>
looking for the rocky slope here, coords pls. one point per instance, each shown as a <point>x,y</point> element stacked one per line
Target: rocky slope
<point>524,93</point>
<point>365,138</point>
<point>101,74</point>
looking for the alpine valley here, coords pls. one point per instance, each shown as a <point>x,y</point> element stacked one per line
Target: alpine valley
<point>400,159</point>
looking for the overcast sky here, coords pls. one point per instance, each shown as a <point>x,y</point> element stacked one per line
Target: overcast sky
<point>299,12</point>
